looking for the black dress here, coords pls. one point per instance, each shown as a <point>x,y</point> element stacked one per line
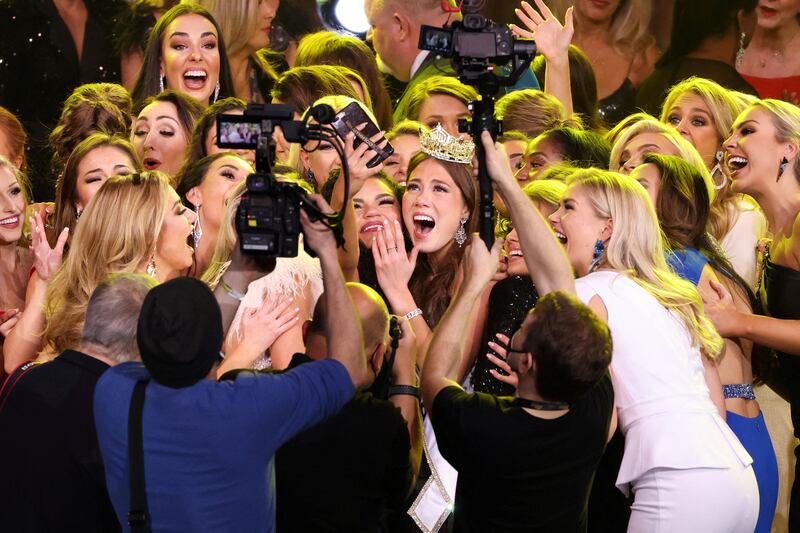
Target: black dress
<point>509,303</point>
<point>39,68</point>
<point>781,294</point>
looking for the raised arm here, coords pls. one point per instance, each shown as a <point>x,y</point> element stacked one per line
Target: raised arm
<point>552,41</point>
<point>342,327</point>
<point>449,343</point>
<point>544,256</point>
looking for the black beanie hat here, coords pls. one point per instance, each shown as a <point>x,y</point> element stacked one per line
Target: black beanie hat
<point>180,332</point>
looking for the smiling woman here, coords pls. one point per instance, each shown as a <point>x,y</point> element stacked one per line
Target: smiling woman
<point>185,52</point>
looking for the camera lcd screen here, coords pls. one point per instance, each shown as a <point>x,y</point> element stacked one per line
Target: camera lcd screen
<point>236,131</point>
<point>436,40</point>
<point>477,45</point>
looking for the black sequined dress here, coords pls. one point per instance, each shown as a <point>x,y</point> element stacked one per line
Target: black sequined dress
<point>509,303</point>
<point>781,295</point>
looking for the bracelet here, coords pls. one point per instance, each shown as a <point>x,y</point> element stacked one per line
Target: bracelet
<point>409,390</point>
<point>412,314</point>
<point>236,295</point>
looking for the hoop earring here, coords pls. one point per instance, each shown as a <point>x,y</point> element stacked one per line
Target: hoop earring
<point>718,170</point>
<point>216,92</point>
<point>161,83</point>
<point>461,233</point>
<point>599,248</point>
<point>740,51</point>
<point>151,267</point>
<point>197,231</point>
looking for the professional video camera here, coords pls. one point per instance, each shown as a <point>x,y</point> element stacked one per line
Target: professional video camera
<point>268,217</point>
<point>488,56</point>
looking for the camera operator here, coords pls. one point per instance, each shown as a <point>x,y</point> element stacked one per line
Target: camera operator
<point>348,472</point>
<point>553,433</point>
<point>198,434</point>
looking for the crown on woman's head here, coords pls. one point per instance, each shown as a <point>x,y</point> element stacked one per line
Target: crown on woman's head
<point>441,145</point>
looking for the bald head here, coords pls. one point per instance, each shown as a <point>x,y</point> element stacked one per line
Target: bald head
<point>372,313</point>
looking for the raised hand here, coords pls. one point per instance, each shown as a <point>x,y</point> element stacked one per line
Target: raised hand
<point>46,260</point>
<point>318,236</point>
<point>480,264</point>
<point>552,39</point>
<point>499,360</point>
<point>496,163</point>
<point>393,265</point>
<point>357,159</point>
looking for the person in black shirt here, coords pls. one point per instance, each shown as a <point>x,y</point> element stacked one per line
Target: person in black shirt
<point>53,477</point>
<point>524,463</point>
<point>351,472</point>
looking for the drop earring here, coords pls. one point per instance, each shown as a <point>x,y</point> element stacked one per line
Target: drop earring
<point>197,231</point>
<point>151,267</point>
<point>78,212</point>
<point>740,51</point>
<point>599,248</point>
<point>718,170</point>
<point>782,168</point>
<point>461,233</point>
<point>216,92</point>
<point>161,84</point>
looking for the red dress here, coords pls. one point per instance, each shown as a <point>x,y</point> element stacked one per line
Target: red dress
<point>775,87</point>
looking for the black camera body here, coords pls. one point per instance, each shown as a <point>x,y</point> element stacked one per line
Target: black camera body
<point>268,216</point>
<point>488,56</point>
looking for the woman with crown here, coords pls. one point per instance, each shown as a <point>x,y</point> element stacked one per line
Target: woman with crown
<point>439,213</point>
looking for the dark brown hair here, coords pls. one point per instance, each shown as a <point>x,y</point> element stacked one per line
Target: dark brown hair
<point>328,48</point>
<point>433,288</point>
<point>570,345</point>
<point>300,87</point>
<point>148,82</point>
<point>91,108</point>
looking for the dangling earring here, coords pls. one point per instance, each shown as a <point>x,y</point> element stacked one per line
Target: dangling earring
<point>718,170</point>
<point>782,168</point>
<point>161,84</point>
<point>197,232</point>
<point>151,267</point>
<point>599,248</point>
<point>740,51</point>
<point>216,91</point>
<point>461,233</point>
<point>311,178</point>
<point>78,212</point>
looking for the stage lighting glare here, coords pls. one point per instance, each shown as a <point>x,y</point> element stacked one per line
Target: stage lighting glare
<point>344,16</point>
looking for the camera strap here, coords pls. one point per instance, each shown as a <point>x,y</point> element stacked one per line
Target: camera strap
<point>137,511</point>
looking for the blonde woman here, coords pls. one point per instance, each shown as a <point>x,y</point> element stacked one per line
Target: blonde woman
<point>245,27</point>
<point>703,112</point>
<point>615,37</point>
<point>687,470</point>
<point>135,223</point>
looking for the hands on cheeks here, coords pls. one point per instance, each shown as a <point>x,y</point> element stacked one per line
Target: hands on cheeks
<point>393,265</point>
<point>46,260</point>
<point>500,348</point>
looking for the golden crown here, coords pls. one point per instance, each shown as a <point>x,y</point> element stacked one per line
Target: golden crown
<point>441,145</point>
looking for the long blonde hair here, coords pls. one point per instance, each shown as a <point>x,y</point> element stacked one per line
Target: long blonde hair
<point>630,25</point>
<point>637,249</point>
<point>724,107</point>
<point>117,234</point>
